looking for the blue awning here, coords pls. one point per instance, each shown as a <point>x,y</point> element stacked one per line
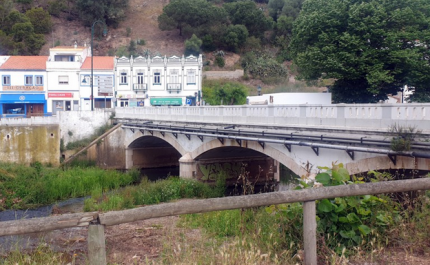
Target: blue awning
<point>22,98</point>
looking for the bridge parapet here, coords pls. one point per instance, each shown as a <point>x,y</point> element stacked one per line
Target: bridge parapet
<point>346,116</point>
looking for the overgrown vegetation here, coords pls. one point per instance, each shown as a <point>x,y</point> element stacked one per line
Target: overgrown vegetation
<point>222,92</point>
<point>42,255</point>
<point>23,187</point>
<point>147,193</point>
<point>347,226</point>
<point>403,137</point>
<point>263,66</point>
<point>86,141</point>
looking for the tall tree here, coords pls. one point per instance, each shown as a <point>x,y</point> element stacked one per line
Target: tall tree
<point>235,37</point>
<point>248,14</point>
<point>371,48</point>
<point>40,19</point>
<point>179,14</point>
<point>112,12</point>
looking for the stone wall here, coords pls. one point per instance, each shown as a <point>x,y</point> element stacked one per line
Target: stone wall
<point>28,144</point>
<point>27,140</point>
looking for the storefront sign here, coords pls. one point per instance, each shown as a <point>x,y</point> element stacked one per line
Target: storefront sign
<point>166,101</point>
<point>22,88</point>
<point>60,95</point>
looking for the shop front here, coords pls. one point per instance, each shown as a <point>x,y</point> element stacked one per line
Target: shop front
<point>63,101</point>
<point>166,101</point>
<point>22,105</point>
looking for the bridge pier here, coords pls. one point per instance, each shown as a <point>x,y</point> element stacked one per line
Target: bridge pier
<point>129,158</point>
<point>187,166</point>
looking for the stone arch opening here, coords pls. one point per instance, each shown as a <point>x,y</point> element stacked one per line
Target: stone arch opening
<point>155,157</point>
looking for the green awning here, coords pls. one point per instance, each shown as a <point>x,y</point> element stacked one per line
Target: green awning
<point>166,101</point>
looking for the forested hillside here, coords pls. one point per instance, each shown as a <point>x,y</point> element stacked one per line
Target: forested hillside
<point>367,48</point>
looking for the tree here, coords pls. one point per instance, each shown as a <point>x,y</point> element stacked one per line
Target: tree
<point>248,14</point>
<point>40,19</point>
<point>109,11</point>
<point>235,37</point>
<point>6,6</point>
<point>224,93</point>
<point>369,47</point>
<point>179,14</point>
<point>275,8</point>
<point>192,45</point>
<point>292,8</point>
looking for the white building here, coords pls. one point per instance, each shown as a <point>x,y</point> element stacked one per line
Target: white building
<point>290,99</point>
<point>62,81</point>
<point>158,81</point>
<point>23,91</point>
<point>103,82</point>
<point>62,69</point>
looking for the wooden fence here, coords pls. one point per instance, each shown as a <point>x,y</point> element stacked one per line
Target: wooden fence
<point>96,222</point>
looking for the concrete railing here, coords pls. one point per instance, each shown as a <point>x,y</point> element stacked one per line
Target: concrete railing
<point>96,222</point>
<point>347,116</point>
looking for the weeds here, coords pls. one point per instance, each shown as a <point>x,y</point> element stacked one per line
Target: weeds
<point>23,187</point>
<point>403,137</point>
<point>148,193</point>
<point>41,255</point>
<point>86,141</point>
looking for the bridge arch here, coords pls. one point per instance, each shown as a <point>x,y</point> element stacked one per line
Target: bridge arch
<point>149,151</point>
<point>268,150</point>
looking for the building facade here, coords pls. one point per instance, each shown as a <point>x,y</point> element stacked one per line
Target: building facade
<point>44,85</point>
<point>24,86</point>
<point>158,81</point>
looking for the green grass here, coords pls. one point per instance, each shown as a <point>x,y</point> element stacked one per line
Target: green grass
<point>147,193</point>
<point>41,255</point>
<point>23,187</point>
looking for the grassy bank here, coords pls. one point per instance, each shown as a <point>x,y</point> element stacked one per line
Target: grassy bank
<point>147,193</point>
<point>23,187</point>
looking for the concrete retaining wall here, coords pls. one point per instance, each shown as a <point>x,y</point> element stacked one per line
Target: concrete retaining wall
<point>27,140</point>
<point>28,144</point>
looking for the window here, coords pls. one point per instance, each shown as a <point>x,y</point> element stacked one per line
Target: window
<point>140,78</point>
<point>63,80</point>
<point>6,80</point>
<point>39,80</point>
<point>28,80</point>
<point>191,76</point>
<point>64,58</point>
<point>123,79</point>
<point>157,77</point>
<point>174,78</point>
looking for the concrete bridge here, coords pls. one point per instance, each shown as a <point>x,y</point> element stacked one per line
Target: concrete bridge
<point>204,141</point>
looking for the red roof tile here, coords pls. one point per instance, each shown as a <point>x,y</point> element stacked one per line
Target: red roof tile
<point>25,63</point>
<point>99,63</point>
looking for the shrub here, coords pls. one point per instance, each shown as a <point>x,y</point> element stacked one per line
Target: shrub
<point>219,61</point>
<point>403,137</point>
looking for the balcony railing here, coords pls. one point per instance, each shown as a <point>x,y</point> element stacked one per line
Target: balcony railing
<point>173,87</point>
<point>140,87</point>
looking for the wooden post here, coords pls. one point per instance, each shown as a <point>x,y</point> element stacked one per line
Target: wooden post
<point>96,244</point>
<point>310,232</point>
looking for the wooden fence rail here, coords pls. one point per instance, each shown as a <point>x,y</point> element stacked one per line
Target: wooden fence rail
<point>97,221</point>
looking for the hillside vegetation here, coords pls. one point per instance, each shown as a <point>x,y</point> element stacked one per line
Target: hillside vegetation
<point>367,49</point>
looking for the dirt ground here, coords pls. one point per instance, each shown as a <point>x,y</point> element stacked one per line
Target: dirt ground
<point>141,20</point>
<point>143,242</point>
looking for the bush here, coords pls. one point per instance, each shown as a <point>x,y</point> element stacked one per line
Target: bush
<point>264,67</point>
<point>219,61</point>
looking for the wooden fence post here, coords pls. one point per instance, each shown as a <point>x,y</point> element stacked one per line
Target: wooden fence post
<point>96,244</point>
<point>310,232</point>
